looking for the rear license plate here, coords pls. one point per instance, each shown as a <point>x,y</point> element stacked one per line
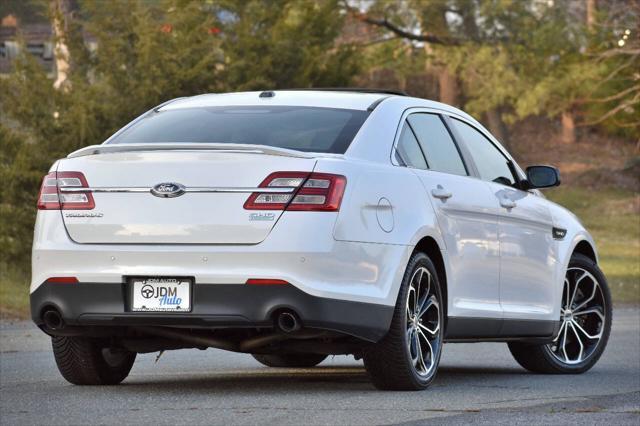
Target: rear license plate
<point>161,295</point>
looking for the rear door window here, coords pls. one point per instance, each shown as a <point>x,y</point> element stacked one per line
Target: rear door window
<point>440,150</point>
<point>408,152</point>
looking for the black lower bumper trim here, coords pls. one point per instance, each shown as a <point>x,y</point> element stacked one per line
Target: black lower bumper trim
<point>214,306</point>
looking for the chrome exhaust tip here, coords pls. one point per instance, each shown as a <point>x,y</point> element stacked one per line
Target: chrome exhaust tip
<point>288,322</point>
<point>53,320</point>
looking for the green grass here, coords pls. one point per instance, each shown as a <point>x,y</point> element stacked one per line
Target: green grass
<point>614,222</point>
<point>14,292</point>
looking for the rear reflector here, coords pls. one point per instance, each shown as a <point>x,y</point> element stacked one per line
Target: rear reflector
<point>63,280</point>
<point>260,281</point>
<point>51,198</point>
<point>307,192</point>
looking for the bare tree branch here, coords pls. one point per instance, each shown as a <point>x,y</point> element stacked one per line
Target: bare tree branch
<point>618,95</point>
<point>619,52</point>
<point>386,24</point>
<point>426,37</point>
<point>631,102</point>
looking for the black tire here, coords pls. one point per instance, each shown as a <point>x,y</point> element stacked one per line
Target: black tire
<point>390,362</point>
<point>289,360</point>
<point>84,361</point>
<point>540,358</point>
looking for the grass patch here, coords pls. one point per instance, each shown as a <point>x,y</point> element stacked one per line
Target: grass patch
<point>612,218</point>
<point>14,292</point>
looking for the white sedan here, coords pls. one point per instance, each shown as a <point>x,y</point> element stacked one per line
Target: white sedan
<point>293,225</point>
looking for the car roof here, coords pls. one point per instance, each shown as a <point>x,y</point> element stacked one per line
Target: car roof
<point>358,99</point>
<point>308,98</point>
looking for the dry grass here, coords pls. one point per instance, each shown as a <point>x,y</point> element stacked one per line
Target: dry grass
<point>14,293</point>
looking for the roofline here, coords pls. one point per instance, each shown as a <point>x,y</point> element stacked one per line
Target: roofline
<point>346,89</point>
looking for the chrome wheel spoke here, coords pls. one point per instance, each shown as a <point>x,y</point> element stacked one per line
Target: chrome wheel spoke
<point>574,324</point>
<point>413,347</point>
<point>426,295</point>
<point>427,304</point>
<point>579,340</point>
<point>428,330</point>
<point>567,289</point>
<point>416,298</point>
<point>562,326</point>
<point>591,297</point>
<point>590,311</point>
<point>564,345</point>
<point>575,288</point>
<point>430,352</point>
<point>410,311</point>
<point>420,360</point>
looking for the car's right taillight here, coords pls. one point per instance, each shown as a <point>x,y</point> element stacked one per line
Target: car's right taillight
<point>300,191</point>
<point>65,191</point>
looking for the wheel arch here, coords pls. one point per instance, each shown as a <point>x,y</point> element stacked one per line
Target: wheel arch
<point>580,242</point>
<point>429,246</point>
<point>585,248</point>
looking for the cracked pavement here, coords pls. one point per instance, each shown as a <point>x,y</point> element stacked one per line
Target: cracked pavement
<point>477,383</point>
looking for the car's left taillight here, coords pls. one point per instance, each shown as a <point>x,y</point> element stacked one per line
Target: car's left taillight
<point>305,191</point>
<point>65,191</point>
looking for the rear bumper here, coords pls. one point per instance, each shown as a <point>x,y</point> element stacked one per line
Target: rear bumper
<point>300,250</point>
<point>214,306</point>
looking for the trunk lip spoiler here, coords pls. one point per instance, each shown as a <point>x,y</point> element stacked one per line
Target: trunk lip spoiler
<point>217,147</point>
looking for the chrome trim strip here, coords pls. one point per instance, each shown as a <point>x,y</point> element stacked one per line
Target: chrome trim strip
<point>104,189</point>
<point>195,189</point>
<point>278,190</point>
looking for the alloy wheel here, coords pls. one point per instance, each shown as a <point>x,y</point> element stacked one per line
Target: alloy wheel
<point>423,323</point>
<point>582,317</point>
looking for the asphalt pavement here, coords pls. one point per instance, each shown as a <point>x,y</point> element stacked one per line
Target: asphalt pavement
<point>477,384</point>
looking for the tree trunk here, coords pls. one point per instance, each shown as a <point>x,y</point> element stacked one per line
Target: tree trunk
<point>592,8</point>
<point>568,128</point>
<point>497,127</point>
<point>449,90</point>
<point>59,12</point>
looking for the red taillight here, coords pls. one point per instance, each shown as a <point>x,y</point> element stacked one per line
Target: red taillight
<point>305,192</point>
<point>265,281</point>
<point>64,191</point>
<point>62,280</point>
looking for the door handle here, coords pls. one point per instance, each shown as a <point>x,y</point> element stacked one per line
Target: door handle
<point>507,203</point>
<point>441,193</point>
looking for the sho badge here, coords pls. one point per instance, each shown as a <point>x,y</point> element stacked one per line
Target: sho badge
<point>83,214</point>
<point>262,216</point>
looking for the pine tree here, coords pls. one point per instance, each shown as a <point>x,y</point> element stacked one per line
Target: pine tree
<point>145,53</point>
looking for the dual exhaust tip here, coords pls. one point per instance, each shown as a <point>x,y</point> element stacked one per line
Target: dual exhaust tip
<point>286,321</point>
<point>53,320</point>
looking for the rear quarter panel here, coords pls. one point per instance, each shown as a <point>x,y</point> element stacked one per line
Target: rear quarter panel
<point>383,206</point>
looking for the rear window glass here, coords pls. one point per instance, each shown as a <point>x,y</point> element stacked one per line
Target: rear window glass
<point>301,128</point>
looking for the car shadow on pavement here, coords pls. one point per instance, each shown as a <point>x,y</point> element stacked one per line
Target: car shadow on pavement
<point>335,378</point>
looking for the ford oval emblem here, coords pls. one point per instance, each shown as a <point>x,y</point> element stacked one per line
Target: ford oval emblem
<point>168,190</point>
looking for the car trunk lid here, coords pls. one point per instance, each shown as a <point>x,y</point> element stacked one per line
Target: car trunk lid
<point>176,195</point>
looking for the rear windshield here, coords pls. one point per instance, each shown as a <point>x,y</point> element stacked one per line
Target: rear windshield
<point>300,128</point>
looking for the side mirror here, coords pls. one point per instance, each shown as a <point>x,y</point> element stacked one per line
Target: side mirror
<point>542,177</point>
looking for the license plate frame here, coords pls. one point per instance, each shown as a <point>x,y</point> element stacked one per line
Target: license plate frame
<point>153,304</point>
